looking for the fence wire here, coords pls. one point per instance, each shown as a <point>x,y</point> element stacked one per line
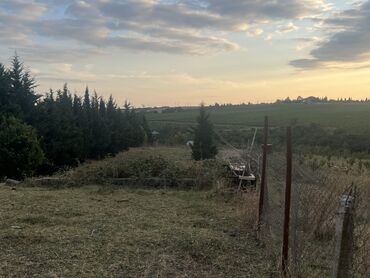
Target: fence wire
<point>315,199</point>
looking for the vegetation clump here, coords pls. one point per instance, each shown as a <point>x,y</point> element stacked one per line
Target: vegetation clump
<point>20,151</point>
<point>160,166</point>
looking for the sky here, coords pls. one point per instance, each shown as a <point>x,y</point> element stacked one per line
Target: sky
<point>183,52</point>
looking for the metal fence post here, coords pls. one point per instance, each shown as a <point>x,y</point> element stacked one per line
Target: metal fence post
<point>294,229</point>
<point>342,265</point>
<point>288,189</point>
<point>261,203</point>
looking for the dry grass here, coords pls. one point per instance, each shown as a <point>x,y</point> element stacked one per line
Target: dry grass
<point>120,232</point>
<point>171,165</point>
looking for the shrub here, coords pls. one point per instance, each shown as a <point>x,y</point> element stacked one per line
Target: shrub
<point>20,151</point>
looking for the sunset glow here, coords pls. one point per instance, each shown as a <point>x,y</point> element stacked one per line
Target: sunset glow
<point>167,52</point>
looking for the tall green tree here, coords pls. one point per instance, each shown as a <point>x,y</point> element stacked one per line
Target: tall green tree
<point>135,130</point>
<point>22,95</point>
<point>5,84</point>
<point>118,126</point>
<point>204,147</point>
<point>71,128</point>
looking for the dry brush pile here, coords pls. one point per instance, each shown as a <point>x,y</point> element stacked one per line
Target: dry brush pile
<point>154,167</point>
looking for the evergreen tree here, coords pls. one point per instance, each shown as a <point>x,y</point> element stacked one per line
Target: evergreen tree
<point>22,95</point>
<point>82,124</point>
<point>86,130</point>
<point>204,147</point>
<point>5,102</point>
<point>135,131</point>
<point>102,109</point>
<point>118,127</point>
<point>86,103</point>
<point>62,137</point>
<point>71,128</point>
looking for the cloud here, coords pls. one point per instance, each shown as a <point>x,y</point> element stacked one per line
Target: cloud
<point>305,42</point>
<point>55,54</point>
<point>290,27</point>
<point>305,63</point>
<point>255,32</point>
<point>257,10</point>
<point>350,43</point>
<point>63,72</point>
<point>24,9</point>
<point>195,27</point>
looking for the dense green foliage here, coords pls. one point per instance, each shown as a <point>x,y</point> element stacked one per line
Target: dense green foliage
<point>20,150</point>
<point>71,128</point>
<point>204,147</point>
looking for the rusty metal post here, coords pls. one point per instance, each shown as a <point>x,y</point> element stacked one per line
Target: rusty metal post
<point>344,238</point>
<point>294,230</point>
<point>261,205</point>
<point>288,189</point>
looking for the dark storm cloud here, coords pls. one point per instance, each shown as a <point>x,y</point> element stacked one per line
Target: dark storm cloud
<point>351,43</point>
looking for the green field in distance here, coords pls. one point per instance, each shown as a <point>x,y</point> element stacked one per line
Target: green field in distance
<point>351,116</point>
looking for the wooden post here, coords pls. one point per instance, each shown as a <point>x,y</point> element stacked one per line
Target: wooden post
<point>261,205</point>
<point>288,188</point>
<point>344,238</point>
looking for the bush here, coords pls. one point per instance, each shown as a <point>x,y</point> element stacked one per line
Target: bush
<point>20,151</point>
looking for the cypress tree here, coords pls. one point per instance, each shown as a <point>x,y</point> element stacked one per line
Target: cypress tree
<point>204,147</point>
<point>71,128</point>
<point>5,101</point>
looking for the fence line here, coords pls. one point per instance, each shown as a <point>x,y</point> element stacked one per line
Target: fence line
<point>300,225</point>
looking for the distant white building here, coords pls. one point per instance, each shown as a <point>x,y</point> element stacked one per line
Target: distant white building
<point>190,143</point>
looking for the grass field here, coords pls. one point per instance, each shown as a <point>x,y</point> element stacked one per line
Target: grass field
<point>109,232</point>
<point>354,117</point>
<point>157,231</point>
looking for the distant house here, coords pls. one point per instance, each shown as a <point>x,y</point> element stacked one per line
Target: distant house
<point>190,143</point>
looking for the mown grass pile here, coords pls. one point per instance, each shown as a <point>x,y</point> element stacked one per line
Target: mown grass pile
<point>159,166</point>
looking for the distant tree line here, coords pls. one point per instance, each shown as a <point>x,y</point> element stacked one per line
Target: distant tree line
<point>43,133</point>
<point>312,99</point>
<point>287,100</point>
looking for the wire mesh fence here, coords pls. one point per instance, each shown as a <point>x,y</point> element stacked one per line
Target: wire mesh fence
<point>319,184</point>
<point>316,193</point>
